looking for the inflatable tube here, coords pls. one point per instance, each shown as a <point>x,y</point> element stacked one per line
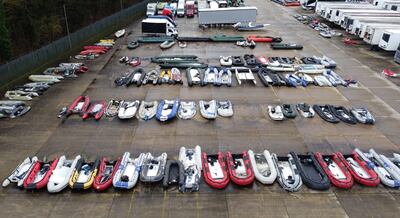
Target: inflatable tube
<point>336,170</point>
<point>96,110</point>
<point>191,160</point>
<point>128,171</point>
<point>342,114</point>
<point>167,110</point>
<point>153,168</point>
<point>312,174</point>
<point>324,112</point>
<point>40,174</point>
<point>287,173</point>
<point>147,110</point>
<point>215,170</point>
<point>174,174</point>
<point>83,175</point>
<point>61,174</point>
<point>187,110</point>
<point>104,177</point>
<point>240,169</point>
<point>263,167</point>
<point>21,172</point>
<point>289,111</point>
<point>359,169</point>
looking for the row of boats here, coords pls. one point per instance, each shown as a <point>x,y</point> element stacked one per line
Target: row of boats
<point>164,110</point>
<point>315,170</point>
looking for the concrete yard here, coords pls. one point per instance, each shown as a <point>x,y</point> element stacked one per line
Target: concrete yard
<point>41,133</point>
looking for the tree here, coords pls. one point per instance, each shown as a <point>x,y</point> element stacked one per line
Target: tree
<point>5,40</point>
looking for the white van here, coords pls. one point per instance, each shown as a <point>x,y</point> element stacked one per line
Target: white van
<point>181,8</point>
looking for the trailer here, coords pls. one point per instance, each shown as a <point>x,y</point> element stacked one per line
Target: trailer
<point>371,13</point>
<point>390,40</point>
<point>339,15</point>
<point>364,26</point>
<point>382,3</point>
<point>226,16</point>
<point>375,33</point>
<point>392,5</point>
<point>322,7</point>
<point>354,20</point>
<point>330,11</point>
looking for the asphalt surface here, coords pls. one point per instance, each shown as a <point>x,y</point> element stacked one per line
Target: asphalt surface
<point>41,133</point>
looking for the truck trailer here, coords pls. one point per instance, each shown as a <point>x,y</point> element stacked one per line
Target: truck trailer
<point>226,16</point>
<point>390,40</point>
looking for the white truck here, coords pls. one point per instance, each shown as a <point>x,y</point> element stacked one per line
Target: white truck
<point>226,16</point>
<point>390,40</point>
<point>181,8</point>
<point>159,26</point>
<point>151,9</point>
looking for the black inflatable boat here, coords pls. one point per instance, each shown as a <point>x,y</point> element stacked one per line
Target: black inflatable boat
<point>174,174</point>
<point>342,114</point>
<point>324,112</point>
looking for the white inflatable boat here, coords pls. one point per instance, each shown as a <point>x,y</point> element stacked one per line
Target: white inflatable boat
<point>128,171</point>
<point>208,109</point>
<point>263,167</point>
<point>187,110</point>
<point>128,109</point>
<point>61,174</point>
<point>21,172</point>
<point>225,108</point>
<point>191,160</point>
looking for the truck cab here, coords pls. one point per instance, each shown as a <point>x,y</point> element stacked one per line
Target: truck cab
<point>190,9</point>
<point>159,26</point>
<point>151,9</point>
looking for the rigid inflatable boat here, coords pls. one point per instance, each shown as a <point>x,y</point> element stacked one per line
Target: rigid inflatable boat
<point>215,170</point>
<point>167,110</point>
<point>191,161</point>
<point>174,174</point>
<point>287,173</point>
<point>289,111</point>
<point>40,174</point>
<point>194,76</point>
<point>104,177</point>
<point>135,77</point>
<point>240,169</point>
<point>312,174</point>
<point>324,112</point>
<point>151,77</point>
<point>362,115</point>
<point>225,61</point>
<point>147,110</point>
<point>275,112</point>
<point>210,76</point>
<point>61,174</point>
<point>342,114</point>
<point>187,110</point>
<point>153,168</point>
<point>336,170</point>
<point>128,109</point>
<point>83,174</point>
<point>225,108</point>
<point>79,106</point>
<point>305,110</point>
<point>224,77</point>
<point>21,172</point>
<point>263,167</point>
<point>95,110</point>
<point>208,109</point>
<point>176,76</point>
<point>387,171</point>
<point>361,170</point>
<point>112,108</point>
<point>165,77</point>
<point>128,171</point>
<point>244,74</point>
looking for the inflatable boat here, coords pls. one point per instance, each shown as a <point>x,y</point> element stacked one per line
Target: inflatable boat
<point>128,109</point>
<point>336,170</point>
<point>165,77</point>
<point>225,61</point>
<point>191,161</point>
<point>342,114</point>
<point>289,111</point>
<point>120,33</point>
<point>104,177</point>
<point>237,61</point>
<point>174,174</point>
<point>310,69</point>
<point>194,76</point>
<point>151,77</point>
<point>133,45</point>
<point>20,95</point>
<point>334,78</point>
<point>287,173</point>
<point>167,110</point>
<point>61,174</point>
<point>386,170</point>
<point>79,106</point>
<point>240,169</point>
<point>40,174</point>
<point>128,171</point>
<point>250,27</point>
<point>250,60</point>
<point>13,109</point>
<point>264,75</point>
<point>305,110</point>
<point>46,78</point>
<point>167,44</point>
<point>321,80</point>
<point>224,77</point>
<point>208,109</point>
<point>362,115</point>
<point>312,174</point>
<point>176,76</point>
<point>135,61</point>
<point>153,168</point>
<point>147,110</point>
<point>187,110</point>
<point>225,108</point>
<point>324,112</point>
<point>275,112</point>
<point>112,108</point>
<point>279,45</point>
<point>95,110</point>
<point>326,61</point>
<point>135,77</point>
<point>21,172</point>
<point>306,79</point>
<point>210,76</point>
<point>215,170</point>
<point>83,174</point>
<point>244,74</point>
<point>263,167</point>
<point>361,170</point>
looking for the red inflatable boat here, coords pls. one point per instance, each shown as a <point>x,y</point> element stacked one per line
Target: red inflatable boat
<point>215,170</point>
<point>104,177</point>
<point>91,51</point>
<point>79,106</point>
<point>359,169</point>
<point>40,174</point>
<point>95,47</point>
<point>336,170</point>
<point>239,167</point>
<point>96,110</point>
<point>260,38</point>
